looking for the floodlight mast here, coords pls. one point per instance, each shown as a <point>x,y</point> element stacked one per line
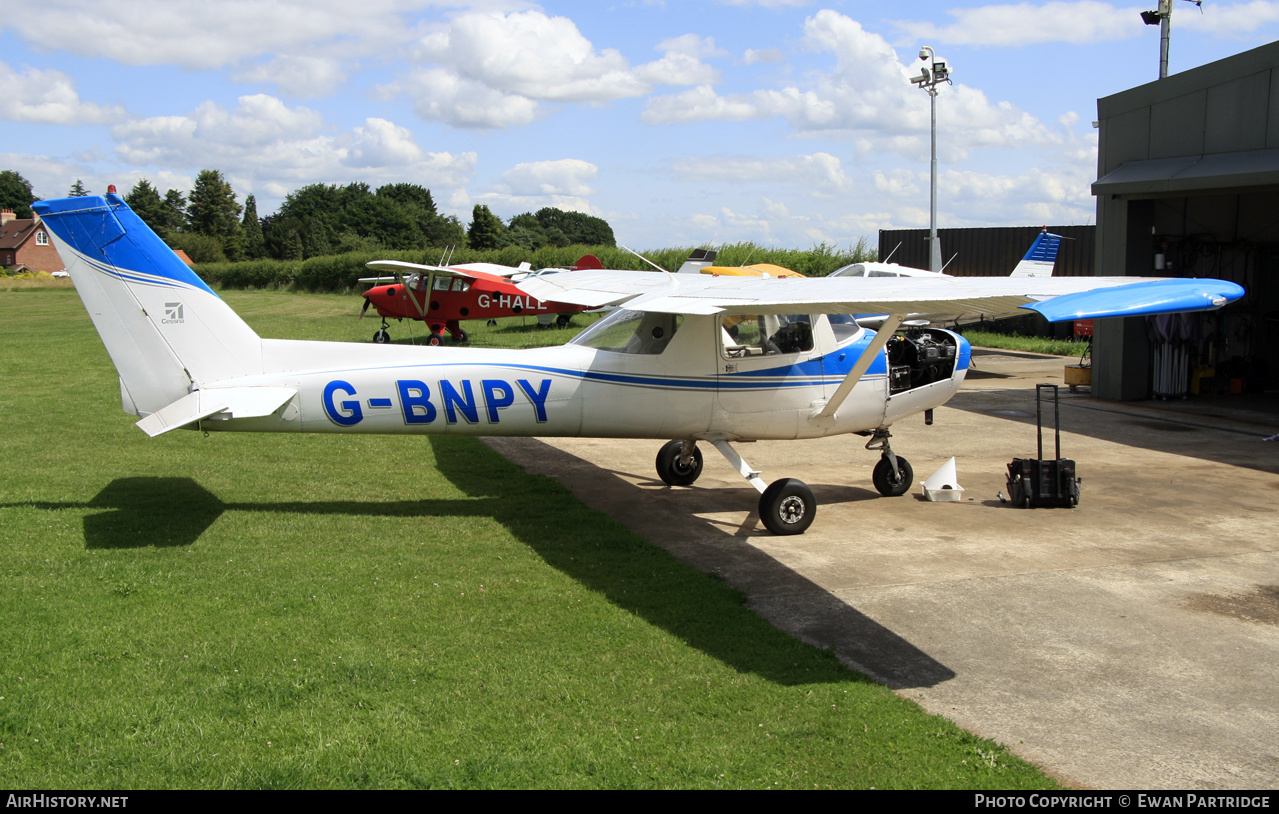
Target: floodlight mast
<point>934,72</point>
<point>1162,17</point>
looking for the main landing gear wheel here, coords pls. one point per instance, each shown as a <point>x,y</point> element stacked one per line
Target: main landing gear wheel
<point>562,320</point>
<point>381,337</point>
<point>888,485</point>
<point>435,340</point>
<point>461,336</point>
<point>787,507</point>
<point>674,473</point>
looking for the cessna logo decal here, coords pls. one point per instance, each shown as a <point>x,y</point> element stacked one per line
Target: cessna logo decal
<point>172,313</point>
<point>457,400</point>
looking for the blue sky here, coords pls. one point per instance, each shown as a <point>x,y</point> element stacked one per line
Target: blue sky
<point>783,122</point>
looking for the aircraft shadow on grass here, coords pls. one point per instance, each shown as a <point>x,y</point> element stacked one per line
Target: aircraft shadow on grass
<point>143,512</point>
<point>140,512</point>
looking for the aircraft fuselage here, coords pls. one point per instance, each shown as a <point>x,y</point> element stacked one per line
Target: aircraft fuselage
<point>692,388</point>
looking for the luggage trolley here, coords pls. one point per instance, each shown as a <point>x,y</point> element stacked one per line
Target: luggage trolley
<point>1034,482</point>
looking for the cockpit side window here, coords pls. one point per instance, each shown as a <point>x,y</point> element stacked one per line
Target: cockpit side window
<point>844,326</point>
<point>635,332</point>
<point>744,335</point>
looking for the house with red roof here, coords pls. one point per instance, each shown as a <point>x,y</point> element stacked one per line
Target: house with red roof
<point>25,245</point>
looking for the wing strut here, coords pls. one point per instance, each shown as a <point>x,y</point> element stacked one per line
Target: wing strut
<point>885,332</point>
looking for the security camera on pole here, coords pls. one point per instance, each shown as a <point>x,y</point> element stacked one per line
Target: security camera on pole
<point>931,75</point>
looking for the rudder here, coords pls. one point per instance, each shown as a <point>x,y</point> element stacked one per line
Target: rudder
<point>167,333</point>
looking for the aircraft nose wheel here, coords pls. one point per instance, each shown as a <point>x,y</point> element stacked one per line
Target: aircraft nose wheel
<point>381,337</point>
<point>888,484</point>
<point>787,507</point>
<point>674,472</point>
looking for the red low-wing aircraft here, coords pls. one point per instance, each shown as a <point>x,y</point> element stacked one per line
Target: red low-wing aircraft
<point>442,296</point>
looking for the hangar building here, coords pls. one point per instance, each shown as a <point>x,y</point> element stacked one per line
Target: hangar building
<point>1188,186</point>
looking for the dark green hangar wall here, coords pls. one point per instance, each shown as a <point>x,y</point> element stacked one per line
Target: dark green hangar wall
<point>989,252</point>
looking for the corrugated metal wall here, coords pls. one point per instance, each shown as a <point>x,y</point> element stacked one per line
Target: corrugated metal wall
<point>990,252</point>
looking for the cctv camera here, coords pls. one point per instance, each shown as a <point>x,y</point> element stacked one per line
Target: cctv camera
<point>923,55</point>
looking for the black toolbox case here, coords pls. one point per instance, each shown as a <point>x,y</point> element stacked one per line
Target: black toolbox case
<point>1036,483</point>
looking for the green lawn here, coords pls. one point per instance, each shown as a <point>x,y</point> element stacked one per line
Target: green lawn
<point>1027,344</point>
<point>276,611</point>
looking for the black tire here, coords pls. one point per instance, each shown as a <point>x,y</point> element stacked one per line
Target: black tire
<point>886,484</point>
<point>787,507</point>
<point>669,468</point>
<point>381,337</point>
<point>461,336</point>
<point>562,320</point>
<point>435,340</point>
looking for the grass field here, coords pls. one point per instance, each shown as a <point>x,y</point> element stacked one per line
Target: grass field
<point>1029,344</point>
<point>271,611</point>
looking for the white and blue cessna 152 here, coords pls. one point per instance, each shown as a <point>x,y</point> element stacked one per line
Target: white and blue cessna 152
<point>687,357</point>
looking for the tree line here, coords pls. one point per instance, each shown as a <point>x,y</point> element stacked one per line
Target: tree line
<point>211,226</point>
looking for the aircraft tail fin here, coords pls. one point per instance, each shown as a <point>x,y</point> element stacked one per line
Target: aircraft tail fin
<point>167,333</point>
<point>1041,258</point>
<point>698,260</point>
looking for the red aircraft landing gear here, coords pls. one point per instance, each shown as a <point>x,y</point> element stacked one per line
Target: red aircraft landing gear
<point>455,331</point>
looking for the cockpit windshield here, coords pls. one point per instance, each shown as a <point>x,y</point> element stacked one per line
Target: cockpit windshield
<point>636,332</point>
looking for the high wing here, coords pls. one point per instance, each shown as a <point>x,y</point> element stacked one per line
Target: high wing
<point>1057,298</point>
<point>470,271</point>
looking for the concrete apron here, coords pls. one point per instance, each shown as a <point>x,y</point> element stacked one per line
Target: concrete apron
<point>1131,642</point>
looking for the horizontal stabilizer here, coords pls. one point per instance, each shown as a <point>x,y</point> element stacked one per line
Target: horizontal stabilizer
<point>1140,299</point>
<point>236,402</point>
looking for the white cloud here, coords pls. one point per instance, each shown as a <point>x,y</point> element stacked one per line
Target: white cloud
<point>701,103</point>
<point>298,76</point>
<point>48,97</point>
<point>767,55</point>
<point>199,35</point>
<point>498,70</point>
<point>677,69</point>
<point>899,183</point>
<point>864,97</point>
<point>566,177</point>
<point>533,55</point>
<point>1081,22</point>
<point>1229,20</point>
<point>819,173</point>
<point>441,95</point>
<point>1036,196</point>
<point>269,143</point>
<point>691,45</point>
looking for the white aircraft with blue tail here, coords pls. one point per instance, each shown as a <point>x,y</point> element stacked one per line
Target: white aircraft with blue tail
<point>1039,261</point>
<point>689,359</point>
